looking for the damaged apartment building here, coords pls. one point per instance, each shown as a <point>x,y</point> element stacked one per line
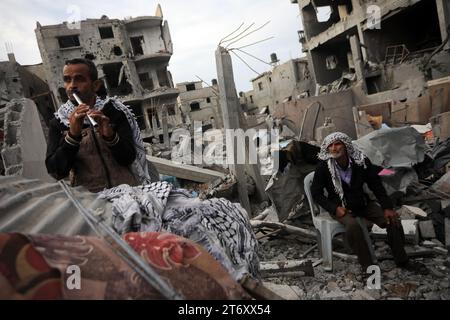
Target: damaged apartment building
<point>131,56</point>
<point>286,81</point>
<point>201,103</point>
<point>373,58</point>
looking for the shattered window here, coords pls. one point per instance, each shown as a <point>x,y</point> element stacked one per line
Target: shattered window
<point>106,32</point>
<point>69,41</point>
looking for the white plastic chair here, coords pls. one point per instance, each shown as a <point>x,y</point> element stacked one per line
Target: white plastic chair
<point>324,223</point>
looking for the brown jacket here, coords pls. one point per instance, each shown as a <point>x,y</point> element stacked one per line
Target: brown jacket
<point>95,167</point>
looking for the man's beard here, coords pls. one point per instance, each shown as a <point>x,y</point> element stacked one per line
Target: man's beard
<point>337,155</point>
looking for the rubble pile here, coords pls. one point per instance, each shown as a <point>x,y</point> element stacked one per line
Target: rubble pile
<point>346,281</point>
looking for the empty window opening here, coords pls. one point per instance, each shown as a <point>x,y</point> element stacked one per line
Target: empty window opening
<point>153,118</point>
<point>171,110</point>
<point>260,86</point>
<point>69,41</point>
<point>146,81</point>
<point>208,100</point>
<point>117,51</point>
<point>251,99</point>
<point>324,13</point>
<point>137,43</point>
<point>106,32</point>
<point>195,106</point>
<point>116,79</point>
<point>163,78</point>
<point>190,87</point>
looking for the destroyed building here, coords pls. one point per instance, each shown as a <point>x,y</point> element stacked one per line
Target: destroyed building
<point>201,104</point>
<point>17,81</point>
<point>131,56</point>
<point>377,58</point>
<point>286,81</point>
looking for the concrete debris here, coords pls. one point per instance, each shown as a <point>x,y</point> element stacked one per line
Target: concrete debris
<point>443,184</point>
<point>396,147</point>
<point>285,227</point>
<point>410,228</point>
<point>411,212</point>
<point>427,229</point>
<point>183,171</point>
<point>286,292</point>
<point>24,148</point>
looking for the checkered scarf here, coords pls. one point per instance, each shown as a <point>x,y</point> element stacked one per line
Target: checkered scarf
<point>352,151</point>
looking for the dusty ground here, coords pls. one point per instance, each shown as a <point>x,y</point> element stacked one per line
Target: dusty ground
<point>346,282</point>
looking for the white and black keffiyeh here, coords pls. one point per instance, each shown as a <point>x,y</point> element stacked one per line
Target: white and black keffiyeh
<point>218,225</point>
<point>352,151</point>
<point>139,167</point>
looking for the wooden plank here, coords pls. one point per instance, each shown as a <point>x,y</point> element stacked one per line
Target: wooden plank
<point>184,171</point>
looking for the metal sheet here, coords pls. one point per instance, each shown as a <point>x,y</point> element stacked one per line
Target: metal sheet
<point>36,207</point>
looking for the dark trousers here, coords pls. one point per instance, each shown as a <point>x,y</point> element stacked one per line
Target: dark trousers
<point>356,240</point>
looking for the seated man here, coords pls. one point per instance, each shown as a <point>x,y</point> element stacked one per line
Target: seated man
<point>100,158</point>
<point>342,173</point>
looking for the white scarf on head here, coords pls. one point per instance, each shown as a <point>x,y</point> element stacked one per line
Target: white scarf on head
<point>139,166</point>
<point>352,151</point>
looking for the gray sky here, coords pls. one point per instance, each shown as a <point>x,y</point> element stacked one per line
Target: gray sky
<point>196,27</point>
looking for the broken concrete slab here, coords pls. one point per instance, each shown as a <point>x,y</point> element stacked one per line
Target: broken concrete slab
<point>285,291</point>
<point>432,243</point>
<point>410,227</point>
<point>443,184</point>
<point>440,250</point>
<point>412,212</point>
<point>184,171</point>
<point>427,229</point>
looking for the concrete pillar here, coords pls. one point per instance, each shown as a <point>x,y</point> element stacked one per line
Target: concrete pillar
<point>357,60</point>
<point>165,126</point>
<point>443,10</point>
<point>363,43</point>
<point>230,109</point>
<point>148,126</point>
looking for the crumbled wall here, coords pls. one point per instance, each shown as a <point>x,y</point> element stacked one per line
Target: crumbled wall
<point>24,147</point>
